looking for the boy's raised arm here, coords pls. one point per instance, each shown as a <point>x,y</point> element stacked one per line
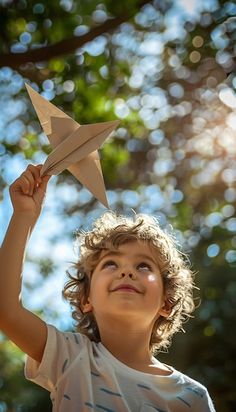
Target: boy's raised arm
<point>21,326</point>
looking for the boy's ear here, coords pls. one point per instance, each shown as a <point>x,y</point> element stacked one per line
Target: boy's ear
<point>166,309</point>
<point>87,307</point>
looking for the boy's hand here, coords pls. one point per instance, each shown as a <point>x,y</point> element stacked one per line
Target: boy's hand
<point>28,191</point>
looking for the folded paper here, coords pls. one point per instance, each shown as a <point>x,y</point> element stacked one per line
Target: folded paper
<point>74,146</point>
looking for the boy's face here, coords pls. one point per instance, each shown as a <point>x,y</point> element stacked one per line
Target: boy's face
<point>142,299</point>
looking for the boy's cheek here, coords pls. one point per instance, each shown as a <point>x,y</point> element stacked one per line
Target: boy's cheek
<point>151,278</point>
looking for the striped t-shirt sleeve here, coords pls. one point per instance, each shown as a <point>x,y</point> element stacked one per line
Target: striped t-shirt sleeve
<point>60,351</point>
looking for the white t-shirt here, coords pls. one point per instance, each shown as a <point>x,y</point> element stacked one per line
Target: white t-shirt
<point>83,376</point>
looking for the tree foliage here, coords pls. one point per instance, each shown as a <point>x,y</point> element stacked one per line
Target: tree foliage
<point>169,75</point>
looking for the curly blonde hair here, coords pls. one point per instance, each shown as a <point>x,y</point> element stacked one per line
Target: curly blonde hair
<point>109,232</point>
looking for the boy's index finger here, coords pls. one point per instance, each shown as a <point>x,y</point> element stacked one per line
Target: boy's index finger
<point>44,182</point>
<point>40,178</point>
<point>39,167</point>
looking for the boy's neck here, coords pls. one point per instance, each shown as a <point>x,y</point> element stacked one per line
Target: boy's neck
<point>130,345</point>
<point>127,344</point>
<point>132,349</point>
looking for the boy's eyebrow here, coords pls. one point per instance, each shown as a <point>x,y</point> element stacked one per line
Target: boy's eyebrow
<point>118,253</point>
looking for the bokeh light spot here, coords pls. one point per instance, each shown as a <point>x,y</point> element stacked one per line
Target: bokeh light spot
<point>68,86</point>
<point>213,250</point>
<point>230,256</point>
<point>228,97</point>
<point>38,8</point>
<point>25,38</point>
<point>195,56</point>
<point>198,41</point>
<point>209,331</point>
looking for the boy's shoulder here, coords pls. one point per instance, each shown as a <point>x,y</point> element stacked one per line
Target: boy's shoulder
<point>190,391</point>
<point>189,382</point>
<point>70,336</point>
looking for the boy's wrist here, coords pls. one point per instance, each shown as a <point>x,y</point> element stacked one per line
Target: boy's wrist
<point>24,216</point>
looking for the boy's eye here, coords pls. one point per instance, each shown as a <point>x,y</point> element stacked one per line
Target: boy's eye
<point>109,264</point>
<point>144,266</point>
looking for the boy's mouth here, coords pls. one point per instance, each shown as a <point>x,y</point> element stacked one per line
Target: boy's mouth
<point>126,287</point>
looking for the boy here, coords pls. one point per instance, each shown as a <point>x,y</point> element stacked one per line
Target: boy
<point>131,292</point>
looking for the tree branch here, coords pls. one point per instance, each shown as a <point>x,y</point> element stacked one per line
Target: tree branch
<point>66,46</point>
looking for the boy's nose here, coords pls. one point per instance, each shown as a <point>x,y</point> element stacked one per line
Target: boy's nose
<point>127,271</point>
